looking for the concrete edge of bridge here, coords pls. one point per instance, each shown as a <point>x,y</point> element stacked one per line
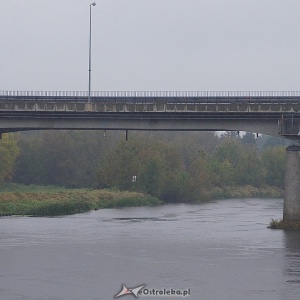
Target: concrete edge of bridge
<point>88,107</point>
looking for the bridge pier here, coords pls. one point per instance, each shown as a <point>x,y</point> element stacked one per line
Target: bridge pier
<point>291,209</point>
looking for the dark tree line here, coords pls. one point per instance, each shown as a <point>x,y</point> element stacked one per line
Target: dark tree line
<point>170,165</point>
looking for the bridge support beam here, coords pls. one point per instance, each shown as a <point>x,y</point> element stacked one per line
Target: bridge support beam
<point>291,209</point>
<point>88,107</point>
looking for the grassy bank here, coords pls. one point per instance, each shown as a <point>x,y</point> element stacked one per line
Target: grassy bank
<point>246,191</point>
<point>55,201</point>
<point>34,200</point>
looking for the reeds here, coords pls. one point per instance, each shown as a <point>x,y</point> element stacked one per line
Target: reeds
<point>54,201</point>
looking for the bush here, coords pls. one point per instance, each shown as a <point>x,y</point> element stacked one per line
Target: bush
<point>59,208</point>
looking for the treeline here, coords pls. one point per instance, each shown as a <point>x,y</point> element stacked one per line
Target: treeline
<point>173,166</point>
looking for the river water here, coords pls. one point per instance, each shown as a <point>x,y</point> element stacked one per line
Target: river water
<point>218,250</point>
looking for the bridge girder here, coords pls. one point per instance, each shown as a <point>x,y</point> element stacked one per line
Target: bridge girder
<point>137,121</point>
<point>271,114</point>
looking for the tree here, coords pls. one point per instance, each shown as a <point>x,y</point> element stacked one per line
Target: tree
<point>236,164</point>
<point>201,177</point>
<point>119,166</point>
<point>157,166</point>
<point>30,164</point>
<point>273,162</point>
<point>8,154</point>
<point>225,160</point>
<point>248,139</point>
<point>64,158</point>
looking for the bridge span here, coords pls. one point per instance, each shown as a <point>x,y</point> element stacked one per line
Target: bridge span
<point>272,113</point>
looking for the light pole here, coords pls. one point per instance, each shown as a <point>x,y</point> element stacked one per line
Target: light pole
<point>90,52</point>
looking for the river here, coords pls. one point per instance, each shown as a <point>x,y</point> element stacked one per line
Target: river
<point>217,250</point>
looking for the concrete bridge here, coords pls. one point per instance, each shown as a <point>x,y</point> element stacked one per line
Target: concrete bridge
<point>271,113</point>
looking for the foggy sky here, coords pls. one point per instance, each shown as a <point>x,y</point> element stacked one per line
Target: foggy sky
<point>150,45</point>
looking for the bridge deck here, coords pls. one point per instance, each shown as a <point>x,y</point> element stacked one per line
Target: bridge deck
<point>267,102</point>
<point>265,112</point>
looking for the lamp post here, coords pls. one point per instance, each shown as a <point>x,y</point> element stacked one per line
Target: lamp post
<point>90,52</point>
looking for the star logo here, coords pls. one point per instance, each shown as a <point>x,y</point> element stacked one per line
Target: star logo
<point>130,291</point>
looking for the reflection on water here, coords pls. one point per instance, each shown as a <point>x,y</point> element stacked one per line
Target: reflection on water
<point>218,250</point>
<point>292,250</point>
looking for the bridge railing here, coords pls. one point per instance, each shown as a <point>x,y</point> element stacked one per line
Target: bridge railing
<point>139,94</point>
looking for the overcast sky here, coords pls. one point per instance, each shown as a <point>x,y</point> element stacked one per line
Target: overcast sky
<point>150,45</point>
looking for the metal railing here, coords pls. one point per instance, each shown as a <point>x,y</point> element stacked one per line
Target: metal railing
<point>144,94</point>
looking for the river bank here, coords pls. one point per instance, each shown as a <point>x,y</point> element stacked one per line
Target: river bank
<point>57,201</point>
<point>245,191</point>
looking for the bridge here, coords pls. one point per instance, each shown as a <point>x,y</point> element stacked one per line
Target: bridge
<point>271,113</point>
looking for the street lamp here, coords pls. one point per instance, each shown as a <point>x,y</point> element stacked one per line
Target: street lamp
<point>90,52</point>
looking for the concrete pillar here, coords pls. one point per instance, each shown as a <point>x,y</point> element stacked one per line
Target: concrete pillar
<point>291,209</point>
<point>88,107</point>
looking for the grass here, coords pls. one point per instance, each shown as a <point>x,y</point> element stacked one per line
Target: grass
<point>15,187</point>
<point>16,199</point>
<point>247,191</point>
<point>281,224</point>
<point>57,201</point>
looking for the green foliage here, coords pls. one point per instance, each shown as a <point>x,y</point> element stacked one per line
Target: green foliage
<point>172,166</point>
<point>51,201</point>
<point>32,188</point>
<point>64,158</point>
<point>130,202</point>
<point>120,166</point>
<point>163,172</point>
<point>273,162</point>
<point>59,208</point>
<point>9,151</point>
<point>199,177</point>
<point>235,163</point>
<point>245,191</point>
<point>154,163</point>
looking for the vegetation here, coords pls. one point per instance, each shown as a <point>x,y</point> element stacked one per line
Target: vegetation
<point>199,175</point>
<point>171,166</point>
<point>53,201</point>
<point>247,191</point>
<point>8,154</point>
<point>281,224</point>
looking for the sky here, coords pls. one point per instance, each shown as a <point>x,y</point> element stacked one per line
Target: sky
<point>153,45</point>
